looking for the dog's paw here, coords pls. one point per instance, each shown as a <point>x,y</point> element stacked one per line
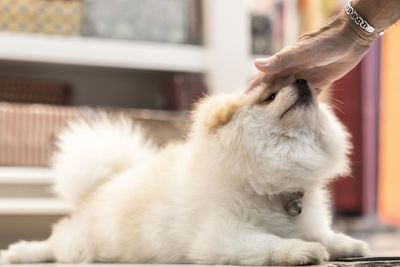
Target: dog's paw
<point>24,252</point>
<point>2,257</point>
<point>13,253</point>
<point>343,246</point>
<point>298,252</point>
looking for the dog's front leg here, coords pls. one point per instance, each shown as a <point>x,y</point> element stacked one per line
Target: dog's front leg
<point>227,245</point>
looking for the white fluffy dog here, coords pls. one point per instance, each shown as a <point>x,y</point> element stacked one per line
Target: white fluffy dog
<point>221,197</point>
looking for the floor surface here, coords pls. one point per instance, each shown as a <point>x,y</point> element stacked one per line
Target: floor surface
<point>331,264</point>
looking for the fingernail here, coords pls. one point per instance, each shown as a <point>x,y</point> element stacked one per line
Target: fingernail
<point>261,61</point>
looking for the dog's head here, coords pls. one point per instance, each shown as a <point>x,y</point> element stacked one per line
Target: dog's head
<point>279,134</point>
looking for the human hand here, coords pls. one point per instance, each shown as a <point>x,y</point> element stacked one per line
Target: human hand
<point>320,57</point>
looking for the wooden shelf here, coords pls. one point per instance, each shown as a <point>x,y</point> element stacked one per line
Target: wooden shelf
<point>101,52</point>
<point>33,206</point>
<point>25,175</point>
<point>28,176</point>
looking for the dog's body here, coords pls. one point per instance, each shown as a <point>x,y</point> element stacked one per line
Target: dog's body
<point>215,199</point>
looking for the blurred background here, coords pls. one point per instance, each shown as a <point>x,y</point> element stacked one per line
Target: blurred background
<point>65,59</point>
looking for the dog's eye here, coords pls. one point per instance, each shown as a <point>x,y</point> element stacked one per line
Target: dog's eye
<point>270,98</point>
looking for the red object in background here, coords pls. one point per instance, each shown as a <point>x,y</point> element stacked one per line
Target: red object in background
<point>359,93</point>
<point>348,191</point>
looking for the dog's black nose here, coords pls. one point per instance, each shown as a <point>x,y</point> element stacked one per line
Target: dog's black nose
<point>301,82</point>
<point>304,91</point>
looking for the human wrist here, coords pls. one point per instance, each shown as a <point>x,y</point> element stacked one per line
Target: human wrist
<point>380,14</point>
<point>354,32</point>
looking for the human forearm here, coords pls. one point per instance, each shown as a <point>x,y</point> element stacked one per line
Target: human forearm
<point>328,53</point>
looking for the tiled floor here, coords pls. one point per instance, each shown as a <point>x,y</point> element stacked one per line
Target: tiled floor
<point>333,264</point>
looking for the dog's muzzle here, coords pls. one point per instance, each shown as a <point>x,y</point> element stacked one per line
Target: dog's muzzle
<point>304,95</point>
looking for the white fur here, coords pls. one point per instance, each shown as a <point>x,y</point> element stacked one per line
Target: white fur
<point>214,199</point>
<point>92,152</point>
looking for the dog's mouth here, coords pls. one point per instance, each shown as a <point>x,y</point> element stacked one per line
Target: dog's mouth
<point>304,97</point>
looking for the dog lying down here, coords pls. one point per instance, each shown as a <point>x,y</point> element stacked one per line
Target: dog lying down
<point>248,187</point>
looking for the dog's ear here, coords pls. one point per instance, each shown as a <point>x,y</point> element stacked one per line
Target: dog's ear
<point>220,116</point>
<point>211,113</point>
